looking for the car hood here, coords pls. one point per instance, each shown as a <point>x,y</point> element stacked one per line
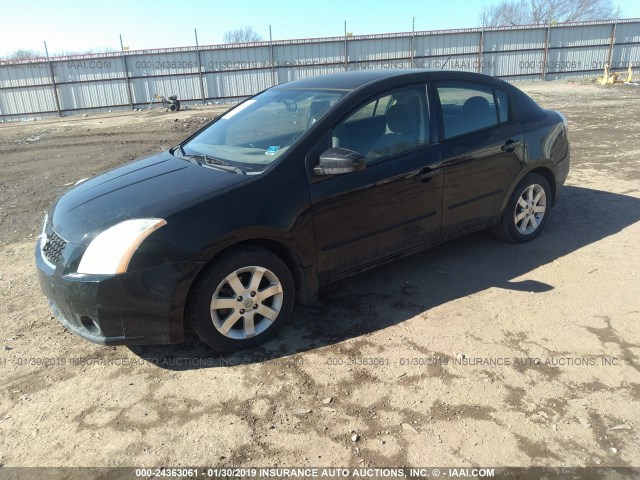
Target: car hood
<point>154,187</point>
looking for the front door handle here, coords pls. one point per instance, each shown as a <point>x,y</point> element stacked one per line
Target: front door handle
<point>509,146</point>
<point>425,174</point>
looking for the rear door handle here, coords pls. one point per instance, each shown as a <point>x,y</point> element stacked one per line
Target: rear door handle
<point>425,174</point>
<point>509,146</point>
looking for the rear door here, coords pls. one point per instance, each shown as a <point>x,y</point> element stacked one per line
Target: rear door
<point>394,203</point>
<point>482,152</point>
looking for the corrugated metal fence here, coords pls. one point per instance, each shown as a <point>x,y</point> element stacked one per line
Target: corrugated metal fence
<point>130,79</point>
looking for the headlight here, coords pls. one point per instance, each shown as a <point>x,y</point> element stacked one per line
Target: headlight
<point>42,238</point>
<point>111,251</point>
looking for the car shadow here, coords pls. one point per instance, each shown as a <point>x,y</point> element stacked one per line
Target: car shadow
<point>390,294</point>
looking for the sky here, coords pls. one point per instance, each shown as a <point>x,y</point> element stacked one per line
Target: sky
<point>81,25</point>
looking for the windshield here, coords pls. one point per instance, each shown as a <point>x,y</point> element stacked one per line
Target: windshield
<point>258,131</point>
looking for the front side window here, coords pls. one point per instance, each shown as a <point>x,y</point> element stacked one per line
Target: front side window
<point>467,109</point>
<point>258,131</point>
<point>392,123</point>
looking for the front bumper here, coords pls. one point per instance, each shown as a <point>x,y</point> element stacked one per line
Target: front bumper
<point>134,308</point>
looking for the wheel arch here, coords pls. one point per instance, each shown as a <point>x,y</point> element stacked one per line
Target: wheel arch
<point>550,177</point>
<point>545,171</point>
<point>281,250</point>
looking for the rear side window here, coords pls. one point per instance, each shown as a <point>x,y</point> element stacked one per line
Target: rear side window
<point>467,108</point>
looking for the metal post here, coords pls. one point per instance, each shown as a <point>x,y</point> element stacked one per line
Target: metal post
<point>545,56</point>
<point>413,41</point>
<point>195,33</point>
<point>272,60</point>
<point>54,87</point>
<point>611,44</point>
<point>480,52</point>
<point>346,48</point>
<point>126,73</point>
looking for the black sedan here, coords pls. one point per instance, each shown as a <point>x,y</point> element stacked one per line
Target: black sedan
<point>301,185</point>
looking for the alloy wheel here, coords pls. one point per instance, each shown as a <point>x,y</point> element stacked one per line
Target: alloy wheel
<point>530,209</point>
<point>246,302</point>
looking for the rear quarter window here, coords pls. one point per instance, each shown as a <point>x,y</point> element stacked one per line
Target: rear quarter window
<point>503,106</point>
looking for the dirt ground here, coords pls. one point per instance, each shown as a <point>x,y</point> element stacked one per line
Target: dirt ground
<point>477,352</point>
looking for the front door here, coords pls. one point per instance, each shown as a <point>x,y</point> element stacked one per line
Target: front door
<point>392,205</point>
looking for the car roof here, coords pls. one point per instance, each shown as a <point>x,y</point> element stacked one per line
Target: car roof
<point>355,79</point>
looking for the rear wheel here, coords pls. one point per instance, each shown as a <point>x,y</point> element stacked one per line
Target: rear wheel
<point>242,300</point>
<point>527,210</point>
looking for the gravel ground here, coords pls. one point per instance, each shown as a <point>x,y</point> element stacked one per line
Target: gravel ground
<point>477,352</point>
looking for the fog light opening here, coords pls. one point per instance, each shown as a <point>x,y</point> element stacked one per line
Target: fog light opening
<point>91,326</point>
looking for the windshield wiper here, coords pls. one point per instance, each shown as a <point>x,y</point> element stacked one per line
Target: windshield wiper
<point>210,161</point>
<point>179,152</point>
<point>221,164</point>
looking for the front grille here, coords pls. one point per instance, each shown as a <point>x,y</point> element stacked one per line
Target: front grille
<point>54,246</point>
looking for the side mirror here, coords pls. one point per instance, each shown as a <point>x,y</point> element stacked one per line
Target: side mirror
<point>336,161</point>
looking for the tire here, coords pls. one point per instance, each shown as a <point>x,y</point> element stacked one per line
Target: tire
<point>523,220</point>
<point>174,107</point>
<point>229,327</point>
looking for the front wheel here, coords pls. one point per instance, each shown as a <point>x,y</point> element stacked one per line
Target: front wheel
<point>527,210</point>
<point>242,299</point>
